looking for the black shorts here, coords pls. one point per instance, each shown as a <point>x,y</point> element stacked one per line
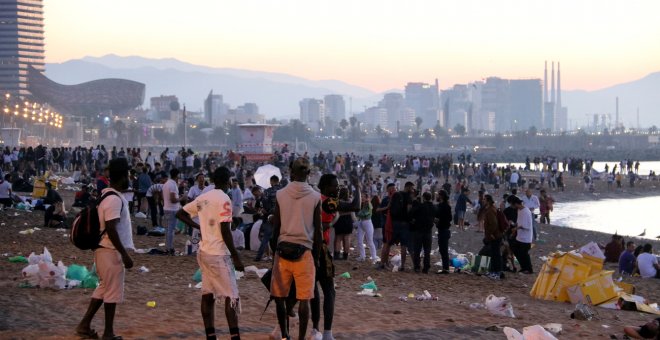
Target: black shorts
<point>400,233</point>
<point>344,225</point>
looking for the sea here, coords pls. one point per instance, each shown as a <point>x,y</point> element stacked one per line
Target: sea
<point>628,217</point>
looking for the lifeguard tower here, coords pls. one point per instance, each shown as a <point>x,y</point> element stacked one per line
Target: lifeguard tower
<point>256,141</point>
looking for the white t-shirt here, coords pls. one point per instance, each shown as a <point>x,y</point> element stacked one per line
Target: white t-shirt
<point>5,186</point>
<point>110,209</point>
<point>531,202</point>
<point>170,187</point>
<point>239,238</point>
<point>524,222</point>
<point>212,208</point>
<point>190,160</point>
<point>194,192</point>
<point>514,178</point>
<point>645,262</point>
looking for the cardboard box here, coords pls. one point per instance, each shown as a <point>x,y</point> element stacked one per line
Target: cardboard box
<point>595,290</point>
<point>626,287</point>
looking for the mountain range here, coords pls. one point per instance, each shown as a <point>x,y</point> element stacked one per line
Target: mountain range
<point>278,94</point>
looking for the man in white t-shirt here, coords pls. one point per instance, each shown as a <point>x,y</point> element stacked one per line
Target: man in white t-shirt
<point>647,263</point>
<point>111,257</point>
<point>523,230</point>
<point>5,191</point>
<point>171,204</point>
<point>532,203</point>
<point>217,256</point>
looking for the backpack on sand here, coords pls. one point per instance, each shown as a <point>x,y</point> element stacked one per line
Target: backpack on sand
<point>86,229</point>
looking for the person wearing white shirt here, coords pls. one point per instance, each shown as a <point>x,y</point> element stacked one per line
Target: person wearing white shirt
<point>218,258</point>
<point>236,198</point>
<point>111,257</point>
<point>647,263</point>
<point>531,202</point>
<point>523,230</point>
<point>171,204</point>
<point>513,180</point>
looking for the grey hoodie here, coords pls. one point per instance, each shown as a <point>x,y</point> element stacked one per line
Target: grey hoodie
<point>297,202</point>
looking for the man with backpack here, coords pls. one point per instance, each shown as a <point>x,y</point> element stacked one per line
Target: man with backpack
<point>110,255</point>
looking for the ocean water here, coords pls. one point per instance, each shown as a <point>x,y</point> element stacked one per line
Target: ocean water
<point>627,217</point>
<point>644,166</point>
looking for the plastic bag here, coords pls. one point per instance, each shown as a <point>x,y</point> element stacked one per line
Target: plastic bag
<point>198,276</point>
<point>31,275</point>
<point>395,261</point>
<point>77,272</point>
<point>370,285</point>
<point>499,306</point>
<point>18,259</point>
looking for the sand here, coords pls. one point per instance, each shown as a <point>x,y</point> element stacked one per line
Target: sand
<point>32,313</point>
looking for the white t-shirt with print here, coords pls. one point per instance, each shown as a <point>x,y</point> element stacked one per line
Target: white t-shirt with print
<point>110,209</point>
<point>212,208</point>
<point>170,187</point>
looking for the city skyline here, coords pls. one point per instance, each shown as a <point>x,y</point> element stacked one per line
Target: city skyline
<point>376,45</point>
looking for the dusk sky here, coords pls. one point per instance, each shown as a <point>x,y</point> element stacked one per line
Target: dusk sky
<point>377,44</point>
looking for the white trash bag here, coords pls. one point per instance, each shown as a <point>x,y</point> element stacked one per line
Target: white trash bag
<point>499,306</point>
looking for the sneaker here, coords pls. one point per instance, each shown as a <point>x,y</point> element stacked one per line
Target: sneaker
<point>493,276</point>
<point>327,335</point>
<point>315,335</point>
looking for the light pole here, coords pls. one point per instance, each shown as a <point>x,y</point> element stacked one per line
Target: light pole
<point>185,127</point>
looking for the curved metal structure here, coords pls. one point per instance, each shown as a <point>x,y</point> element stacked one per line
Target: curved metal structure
<point>88,98</point>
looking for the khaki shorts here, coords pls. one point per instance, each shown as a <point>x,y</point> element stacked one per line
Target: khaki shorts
<point>218,276</point>
<point>110,270</point>
<point>302,272</point>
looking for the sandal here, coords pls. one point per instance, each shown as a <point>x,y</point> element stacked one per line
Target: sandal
<point>114,337</point>
<point>89,334</point>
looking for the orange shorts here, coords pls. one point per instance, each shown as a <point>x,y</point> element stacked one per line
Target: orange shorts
<point>302,272</point>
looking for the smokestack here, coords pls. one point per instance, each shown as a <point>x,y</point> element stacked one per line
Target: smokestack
<point>558,110</point>
<point>616,120</point>
<point>545,83</point>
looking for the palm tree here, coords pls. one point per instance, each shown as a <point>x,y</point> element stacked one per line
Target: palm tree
<point>418,122</point>
<point>460,129</point>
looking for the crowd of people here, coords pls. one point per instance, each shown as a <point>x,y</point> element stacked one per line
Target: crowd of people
<point>305,225</point>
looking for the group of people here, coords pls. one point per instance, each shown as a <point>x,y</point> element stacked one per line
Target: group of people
<point>632,259</point>
<point>305,226</point>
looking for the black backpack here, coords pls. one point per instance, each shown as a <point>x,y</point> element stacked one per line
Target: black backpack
<point>86,230</point>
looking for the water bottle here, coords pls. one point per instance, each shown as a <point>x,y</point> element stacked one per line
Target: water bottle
<point>188,250</point>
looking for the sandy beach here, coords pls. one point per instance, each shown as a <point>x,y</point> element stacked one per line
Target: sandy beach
<point>32,313</point>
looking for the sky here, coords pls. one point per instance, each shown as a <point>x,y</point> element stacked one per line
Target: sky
<point>376,44</point>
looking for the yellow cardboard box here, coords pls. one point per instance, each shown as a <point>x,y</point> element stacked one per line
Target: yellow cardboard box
<point>596,289</point>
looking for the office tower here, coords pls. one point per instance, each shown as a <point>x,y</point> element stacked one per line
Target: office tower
<point>213,108</point>
<point>335,107</point>
<point>425,100</point>
<point>21,43</point>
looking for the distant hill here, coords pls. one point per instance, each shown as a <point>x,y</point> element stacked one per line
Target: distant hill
<point>276,94</point>
<point>643,94</point>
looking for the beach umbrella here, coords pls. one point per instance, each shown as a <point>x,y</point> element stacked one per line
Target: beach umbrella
<point>264,173</point>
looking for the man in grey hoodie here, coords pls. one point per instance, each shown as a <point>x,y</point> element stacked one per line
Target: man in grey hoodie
<point>297,239</point>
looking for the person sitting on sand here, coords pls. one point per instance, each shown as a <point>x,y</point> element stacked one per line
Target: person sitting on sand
<point>647,263</point>
<point>614,249</point>
<point>627,259</point>
<point>647,331</point>
<point>82,198</point>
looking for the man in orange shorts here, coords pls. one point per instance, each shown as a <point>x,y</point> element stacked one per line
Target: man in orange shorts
<point>297,239</point>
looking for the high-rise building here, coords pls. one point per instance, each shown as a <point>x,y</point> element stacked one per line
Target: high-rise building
<point>425,100</point>
<point>312,113</point>
<point>249,108</point>
<point>375,116</point>
<point>394,104</point>
<point>335,107</point>
<point>21,43</point>
<point>213,109</point>
<point>526,104</point>
<point>495,103</point>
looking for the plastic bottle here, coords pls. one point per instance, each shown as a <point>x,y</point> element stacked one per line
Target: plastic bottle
<point>188,250</point>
